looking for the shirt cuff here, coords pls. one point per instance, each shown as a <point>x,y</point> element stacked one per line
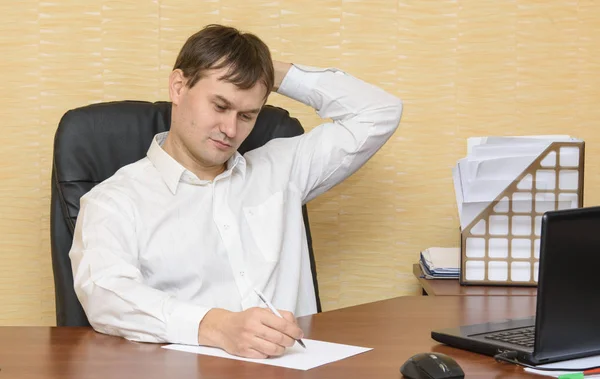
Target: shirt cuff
<point>300,81</point>
<point>184,323</point>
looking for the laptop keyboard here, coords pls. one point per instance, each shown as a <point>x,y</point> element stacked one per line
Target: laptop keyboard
<point>522,337</point>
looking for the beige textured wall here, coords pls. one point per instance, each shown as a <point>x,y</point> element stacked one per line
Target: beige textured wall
<point>463,68</point>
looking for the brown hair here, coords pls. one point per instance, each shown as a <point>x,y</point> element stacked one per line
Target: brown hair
<point>216,47</point>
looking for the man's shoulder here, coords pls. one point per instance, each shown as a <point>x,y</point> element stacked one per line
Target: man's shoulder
<point>277,151</point>
<point>123,184</point>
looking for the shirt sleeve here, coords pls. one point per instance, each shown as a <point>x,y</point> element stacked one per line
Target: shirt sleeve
<point>363,118</point>
<point>109,283</point>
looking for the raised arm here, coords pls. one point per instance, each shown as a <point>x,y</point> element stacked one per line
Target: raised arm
<point>363,117</point>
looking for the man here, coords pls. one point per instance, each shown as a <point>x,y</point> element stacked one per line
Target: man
<point>171,248</point>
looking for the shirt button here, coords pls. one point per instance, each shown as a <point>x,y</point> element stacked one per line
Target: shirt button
<point>226,226</point>
<point>242,273</point>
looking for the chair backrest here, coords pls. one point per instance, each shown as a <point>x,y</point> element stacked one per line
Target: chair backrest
<point>91,144</point>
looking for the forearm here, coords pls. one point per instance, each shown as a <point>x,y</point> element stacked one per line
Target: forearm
<point>122,306</point>
<point>110,285</point>
<point>364,116</point>
<point>340,96</point>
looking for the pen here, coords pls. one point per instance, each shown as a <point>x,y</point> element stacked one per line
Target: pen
<point>272,308</point>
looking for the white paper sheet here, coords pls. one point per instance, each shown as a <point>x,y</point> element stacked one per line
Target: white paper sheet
<point>317,353</point>
<point>574,363</point>
<point>475,141</point>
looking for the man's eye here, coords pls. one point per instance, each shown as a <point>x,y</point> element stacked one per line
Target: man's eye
<point>245,117</point>
<point>220,108</point>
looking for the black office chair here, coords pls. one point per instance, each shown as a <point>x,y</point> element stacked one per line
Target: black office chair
<point>91,144</point>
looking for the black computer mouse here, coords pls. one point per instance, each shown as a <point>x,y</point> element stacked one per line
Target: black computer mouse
<point>431,366</point>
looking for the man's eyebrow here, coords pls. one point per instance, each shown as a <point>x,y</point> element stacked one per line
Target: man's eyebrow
<point>230,105</point>
<point>227,102</point>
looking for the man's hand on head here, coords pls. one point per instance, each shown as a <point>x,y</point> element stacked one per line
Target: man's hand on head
<point>281,70</point>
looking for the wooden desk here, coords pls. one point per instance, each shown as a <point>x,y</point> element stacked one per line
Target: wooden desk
<point>396,329</point>
<point>450,287</point>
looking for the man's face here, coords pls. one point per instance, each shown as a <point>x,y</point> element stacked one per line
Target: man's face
<point>213,118</point>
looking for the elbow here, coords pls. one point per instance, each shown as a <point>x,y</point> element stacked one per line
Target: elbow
<point>99,318</point>
<point>92,307</point>
<point>397,108</point>
<point>390,116</point>
<point>89,307</point>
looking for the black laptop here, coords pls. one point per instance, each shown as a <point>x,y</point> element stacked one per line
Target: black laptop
<point>567,320</point>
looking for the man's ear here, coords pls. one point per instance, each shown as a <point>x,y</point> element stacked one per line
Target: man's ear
<point>176,85</point>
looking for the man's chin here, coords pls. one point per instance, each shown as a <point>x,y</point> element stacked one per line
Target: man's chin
<point>219,159</point>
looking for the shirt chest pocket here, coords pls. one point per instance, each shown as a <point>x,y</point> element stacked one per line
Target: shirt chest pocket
<point>266,223</point>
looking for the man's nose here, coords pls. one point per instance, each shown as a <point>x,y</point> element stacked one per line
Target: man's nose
<point>229,125</point>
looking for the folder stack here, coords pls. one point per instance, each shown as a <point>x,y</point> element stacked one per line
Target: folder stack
<point>440,263</point>
<point>503,187</point>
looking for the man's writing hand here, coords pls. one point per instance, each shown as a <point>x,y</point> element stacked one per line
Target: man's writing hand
<point>253,333</point>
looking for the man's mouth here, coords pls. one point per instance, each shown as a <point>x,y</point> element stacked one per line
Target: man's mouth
<point>221,144</point>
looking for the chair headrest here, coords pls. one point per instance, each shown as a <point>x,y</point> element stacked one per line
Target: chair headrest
<point>93,142</point>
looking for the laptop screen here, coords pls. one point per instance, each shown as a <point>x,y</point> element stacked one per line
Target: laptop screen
<point>568,303</point>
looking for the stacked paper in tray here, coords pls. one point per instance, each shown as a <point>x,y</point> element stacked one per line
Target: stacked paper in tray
<point>493,163</point>
<point>440,263</point>
<point>503,187</point>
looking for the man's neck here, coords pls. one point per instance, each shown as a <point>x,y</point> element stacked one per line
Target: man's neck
<point>177,151</point>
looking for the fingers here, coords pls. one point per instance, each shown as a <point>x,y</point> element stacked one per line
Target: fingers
<point>258,333</point>
<point>249,352</point>
<point>267,348</point>
<point>288,316</point>
<point>283,325</point>
<point>254,354</point>
<point>264,343</point>
<point>275,336</point>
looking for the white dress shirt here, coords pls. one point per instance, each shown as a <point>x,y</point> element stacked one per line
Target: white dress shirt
<point>155,248</point>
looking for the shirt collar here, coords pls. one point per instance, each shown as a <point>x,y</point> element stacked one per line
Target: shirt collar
<point>172,172</point>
